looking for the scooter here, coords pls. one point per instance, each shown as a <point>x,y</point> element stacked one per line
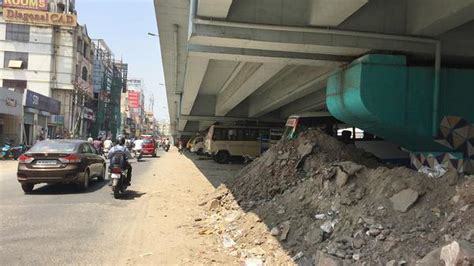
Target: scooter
<point>105,153</point>
<point>10,152</point>
<point>19,150</point>
<point>137,153</point>
<point>118,177</point>
<point>6,151</point>
<point>167,147</point>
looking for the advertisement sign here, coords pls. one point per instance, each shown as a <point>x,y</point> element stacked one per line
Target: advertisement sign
<point>89,114</point>
<point>10,102</point>
<point>42,103</point>
<point>27,4</point>
<point>34,17</point>
<point>56,119</point>
<point>134,99</point>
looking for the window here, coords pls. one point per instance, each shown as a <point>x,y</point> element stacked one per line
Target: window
<point>85,52</point>
<point>84,73</point>
<point>79,45</point>
<point>14,84</point>
<point>11,57</point>
<point>220,134</point>
<point>16,32</point>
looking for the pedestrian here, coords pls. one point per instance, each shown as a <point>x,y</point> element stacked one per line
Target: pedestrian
<point>180,146</point>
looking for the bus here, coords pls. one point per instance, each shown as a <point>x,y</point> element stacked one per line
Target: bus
<point>384,150</point>
<point>297,123</point>
<point>224,142</point>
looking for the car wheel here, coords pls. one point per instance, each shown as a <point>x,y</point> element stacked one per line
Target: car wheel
<point>200,152</point>
<point>222,157</point>
<point>102,174</point>
<point>27,188</point>
<point>84,185</point>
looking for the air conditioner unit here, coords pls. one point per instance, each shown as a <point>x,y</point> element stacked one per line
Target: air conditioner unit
<point>15,63</point>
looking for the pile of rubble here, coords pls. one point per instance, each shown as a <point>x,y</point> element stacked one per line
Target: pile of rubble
<point>326,202</point>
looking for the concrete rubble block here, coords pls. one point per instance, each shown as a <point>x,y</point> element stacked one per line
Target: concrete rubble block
<point>304,149</point>
<point>213,204</point>
<point>275,231</point>
<point>392,263</point>
<point>322,259</point>
<point>350,167</point>
<point>253,262</point>
<point>458,253</point>
<point>431,259</point>
<point>341,178</point>
<point>404,199</point>
<point>284,229</point>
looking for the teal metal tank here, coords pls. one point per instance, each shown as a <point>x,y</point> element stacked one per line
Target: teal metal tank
<point>382,95</point>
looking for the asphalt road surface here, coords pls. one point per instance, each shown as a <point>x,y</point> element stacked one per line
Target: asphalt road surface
<point>57,224</point>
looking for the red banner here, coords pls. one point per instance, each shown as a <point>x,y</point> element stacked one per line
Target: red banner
<point>133,99</point>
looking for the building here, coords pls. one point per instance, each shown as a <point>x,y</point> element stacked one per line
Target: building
<point>72,83</point>
<point>32,56</point>
<point>102,82</point>
<point>119,87</point>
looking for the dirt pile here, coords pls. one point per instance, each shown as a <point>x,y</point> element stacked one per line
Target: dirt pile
<point>324,201</point>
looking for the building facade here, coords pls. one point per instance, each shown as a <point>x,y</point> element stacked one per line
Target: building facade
<point>30,65</point>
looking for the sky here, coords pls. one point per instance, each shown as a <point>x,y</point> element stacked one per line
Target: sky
<point>124,25</point>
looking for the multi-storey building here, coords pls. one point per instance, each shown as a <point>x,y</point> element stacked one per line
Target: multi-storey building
<point>35,59</point>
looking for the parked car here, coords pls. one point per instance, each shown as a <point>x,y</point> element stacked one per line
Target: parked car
<point>60,161</point>
<point>149,147</point>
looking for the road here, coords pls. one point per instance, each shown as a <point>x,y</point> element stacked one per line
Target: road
<point>151,225</point>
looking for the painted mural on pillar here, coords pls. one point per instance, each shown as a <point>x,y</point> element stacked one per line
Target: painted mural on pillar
<point>458,134</point>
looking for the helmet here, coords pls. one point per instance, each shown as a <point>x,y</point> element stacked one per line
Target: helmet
<point>121,140</point>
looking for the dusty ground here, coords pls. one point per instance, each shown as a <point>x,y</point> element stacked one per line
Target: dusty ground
<point>165,231</point>
<point>155,224</point>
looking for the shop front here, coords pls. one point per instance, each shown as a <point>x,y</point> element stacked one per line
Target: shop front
<point>37,112</point>
<point>88,120</point>
<point>10,116</point>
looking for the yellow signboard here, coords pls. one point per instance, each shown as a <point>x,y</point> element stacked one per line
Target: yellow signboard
<point>33,17</point>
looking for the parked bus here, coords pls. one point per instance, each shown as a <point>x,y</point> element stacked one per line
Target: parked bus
<point>223,142</point>
<point>383,150</point>
<point>301,122</point>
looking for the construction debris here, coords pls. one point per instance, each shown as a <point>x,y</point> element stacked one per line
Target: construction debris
<point>327,203</point>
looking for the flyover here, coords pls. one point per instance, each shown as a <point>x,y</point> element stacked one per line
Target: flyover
<point>266,59</point>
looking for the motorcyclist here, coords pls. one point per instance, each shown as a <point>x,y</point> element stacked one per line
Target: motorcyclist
<point>121,149</point>
<point>98,145</point>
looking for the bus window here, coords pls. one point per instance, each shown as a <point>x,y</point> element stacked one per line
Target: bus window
<point>220,134</point>
<point>231,134</point>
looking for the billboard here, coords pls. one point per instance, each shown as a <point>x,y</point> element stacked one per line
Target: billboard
<point>134,99</point>
<point>42,103</point>
<point>26,4</point>
<point>34,17</point>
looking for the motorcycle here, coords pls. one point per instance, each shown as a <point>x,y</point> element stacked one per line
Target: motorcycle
<point>167,147</point>
<point>137,153</point>
<point>118,177</point>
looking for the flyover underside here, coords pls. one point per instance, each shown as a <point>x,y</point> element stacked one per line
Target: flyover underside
<point>254,60</point>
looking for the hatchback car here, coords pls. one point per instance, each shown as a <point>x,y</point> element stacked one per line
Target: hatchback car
<point>149,147</point>
<point>60,161</point>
